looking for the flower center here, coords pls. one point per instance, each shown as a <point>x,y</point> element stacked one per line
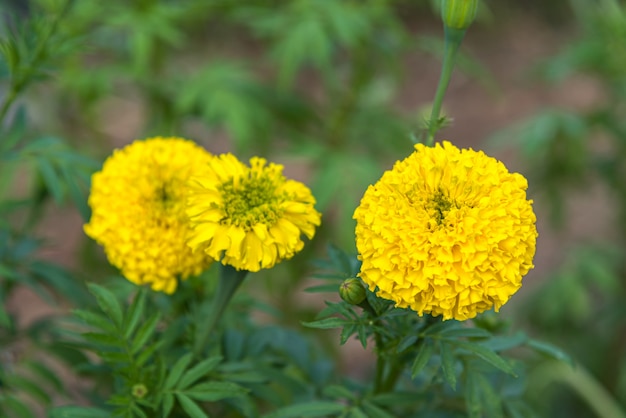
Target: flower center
<point>438,206</point>
<point>251,200</point>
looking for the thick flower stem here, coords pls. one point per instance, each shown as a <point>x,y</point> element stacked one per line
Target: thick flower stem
<point>229,281</point>
<point>453,39</point>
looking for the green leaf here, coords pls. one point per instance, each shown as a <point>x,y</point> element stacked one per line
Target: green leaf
<point>327,323</point>
<point>50,179</point>
<point>198,371</point>
<point>424,354</point>
<point>487,355</point>
<point>406,342</point>
<point>46,375</point>
<point>144,333</point>
<point>135,313</point>
<point>147,352</point>
<point>107,302</point>
<point>99,338</point>
<point>215,391</point>
<point>447,364</point>
<point>21,383</point>
<point>177,371</point>
<point>338,392</point>
<point>190,407</point>
<point>375,412</point>
<point>464,332</point>
<point>361,332</point>
<point>96,320</point>
<point>307,410</point>
<point>168,404</point>
<point>472,396</point>
<point>78,412</point>
<point>356,412</point>
<point>550,350</point>
<point>17,406</point>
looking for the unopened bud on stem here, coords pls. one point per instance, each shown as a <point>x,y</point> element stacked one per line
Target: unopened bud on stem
<point>458,14</point>
<point>352,291</point>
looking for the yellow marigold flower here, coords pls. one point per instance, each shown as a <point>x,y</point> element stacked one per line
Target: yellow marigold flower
<point>249,217</point>
<point>447,232</point>
<point>138,211</point>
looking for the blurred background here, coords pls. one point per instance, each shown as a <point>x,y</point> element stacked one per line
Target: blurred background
<point>336,91</point>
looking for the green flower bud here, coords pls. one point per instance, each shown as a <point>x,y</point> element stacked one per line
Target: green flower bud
<point>139,390</point>
<point>458,14</point>
<point>352,291</point>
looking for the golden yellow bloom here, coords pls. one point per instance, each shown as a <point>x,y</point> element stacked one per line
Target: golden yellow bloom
<point>138,211</point>
<point>447,232</point>
<point>249,217</point>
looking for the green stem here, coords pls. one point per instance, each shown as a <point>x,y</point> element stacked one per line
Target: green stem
<point>587,387</point>
<point>229,281</point>
<point>453,39</point>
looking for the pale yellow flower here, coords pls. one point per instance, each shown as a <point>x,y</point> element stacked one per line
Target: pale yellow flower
<point>448,232</point>
<point>249,217</point>
<point>138,211</point>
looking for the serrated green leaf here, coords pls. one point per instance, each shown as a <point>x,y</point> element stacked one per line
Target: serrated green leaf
<point>375,412</point>
<point>327,323</point>
<point>115,357</point>
<point>177,371</point>
<point>198,371</point>
<point>356,412</point>
<point>78,412</point>
<point>145,354</point>
<point>190,407</point>
<point>406,342</point>
<point>362,334</point>
<point>397,398</point>
<point>439,327</point>
<point>550,350</point>
<point>424,353</point>
<point>505,342</point>
<point>144,333</point>
<point>168,404</point>
<point>135,313</point>
<point>338,392</point>
<point>346,333</point>
<point>46,375</point>
<point>99,338</point>
<point>447,363</point>
<point>464,332</point>
<point>215,391</point>
<point>26,385</point>
<point>96,320</point>
<point>107,302</point>
<point>50,178</point>
<point>491,399</point>
<point>307,410</point>
<point>487,355</point>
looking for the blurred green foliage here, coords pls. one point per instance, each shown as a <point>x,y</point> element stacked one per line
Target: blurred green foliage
<point>311,83</point>
<point>569,152</point>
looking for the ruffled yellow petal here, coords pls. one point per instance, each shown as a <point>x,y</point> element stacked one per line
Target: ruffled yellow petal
<point>138,211</point>
<point>448,232</point>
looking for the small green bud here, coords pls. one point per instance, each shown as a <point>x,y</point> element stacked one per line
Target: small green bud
<point>139,390</point>
<point>352,291</point>
<point>458,14</point>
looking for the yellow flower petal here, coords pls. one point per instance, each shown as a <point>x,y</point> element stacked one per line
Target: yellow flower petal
<point>138,211</point>
<point>447,231</point>
<point>257,217</point>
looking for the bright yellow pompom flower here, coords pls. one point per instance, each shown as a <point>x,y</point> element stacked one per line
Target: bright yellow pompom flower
<point>447,231</point>
<point>138,211</point>
<point>249,217</point>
